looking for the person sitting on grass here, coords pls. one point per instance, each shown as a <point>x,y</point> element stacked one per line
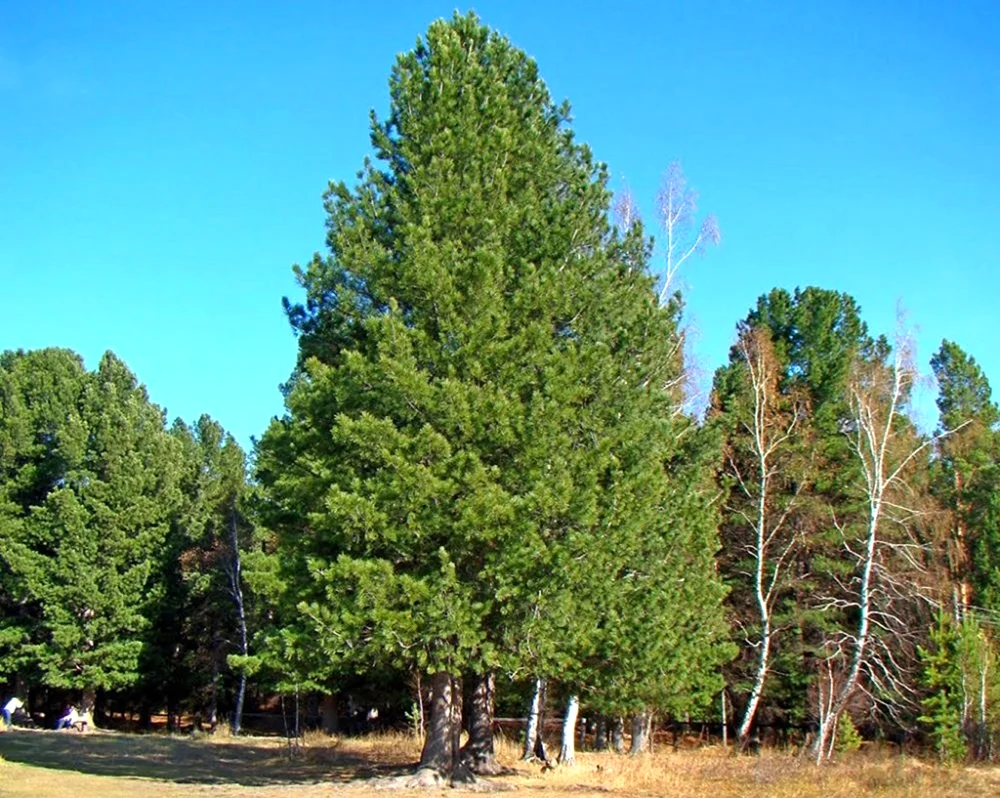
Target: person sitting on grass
<point>10,708</point>
<point>69,719</point>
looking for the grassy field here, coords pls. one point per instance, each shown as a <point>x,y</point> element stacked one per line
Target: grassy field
<point>43,763</point>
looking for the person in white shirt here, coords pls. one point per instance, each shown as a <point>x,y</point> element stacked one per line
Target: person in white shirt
<point>10,708</point>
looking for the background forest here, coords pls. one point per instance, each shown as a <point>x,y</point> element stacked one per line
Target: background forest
<point>491,490</point>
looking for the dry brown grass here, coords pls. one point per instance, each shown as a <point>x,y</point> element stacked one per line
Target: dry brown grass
<point>37,763</point>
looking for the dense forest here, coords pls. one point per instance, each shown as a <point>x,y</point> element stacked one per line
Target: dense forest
<point>489,490</point>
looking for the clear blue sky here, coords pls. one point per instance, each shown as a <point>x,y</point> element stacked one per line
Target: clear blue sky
<point>161,164</point>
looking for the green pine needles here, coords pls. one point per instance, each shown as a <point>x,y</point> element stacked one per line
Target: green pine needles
<point>482,465</point>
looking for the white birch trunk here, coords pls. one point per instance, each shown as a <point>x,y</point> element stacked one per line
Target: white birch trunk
<point>236,590</point>
<point>876,396</point>
<point>532,727</point>
<point>769,433</point>
<point>567,754</point>
<point>828,724</point>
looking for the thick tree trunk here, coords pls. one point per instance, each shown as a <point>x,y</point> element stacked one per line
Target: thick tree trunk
<point>618,735</point>
<point>533,731</point>
<point>328,713</point>
<point>567,754</point>
<point>99,717</point>
<point>601,734</point>
<point>172,714</point>
<point>478,753</point>
<point>88,701</point>
<point>440,757</point>
<point>640,740</point>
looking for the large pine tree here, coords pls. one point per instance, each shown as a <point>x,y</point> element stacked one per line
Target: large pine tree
<point>88,485</point>
<point>480,427</point>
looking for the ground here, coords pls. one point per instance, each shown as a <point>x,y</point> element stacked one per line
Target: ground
<point>106,764</point>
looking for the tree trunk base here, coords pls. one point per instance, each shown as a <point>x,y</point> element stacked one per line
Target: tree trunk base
<point>478,754</point>
<point>432,779</point>
<point>425,779</point>
<point>482,766</point>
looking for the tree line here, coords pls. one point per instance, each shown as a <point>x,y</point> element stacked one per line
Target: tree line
<point>488,485</point>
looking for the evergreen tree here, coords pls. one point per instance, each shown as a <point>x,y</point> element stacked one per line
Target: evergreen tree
<point>943,678</point>
<point>90,497</point>
<point>483,372</point>
<point>968,475</point>
<point>198,607</point>
<point>41,436</point>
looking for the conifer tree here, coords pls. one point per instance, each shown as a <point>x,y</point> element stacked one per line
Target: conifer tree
<point>968,476</point>
<point>198,611</point>
<point>89,497</point>
<point>480,425</point>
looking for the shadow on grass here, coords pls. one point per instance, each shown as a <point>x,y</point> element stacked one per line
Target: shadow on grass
<point>186,761</point>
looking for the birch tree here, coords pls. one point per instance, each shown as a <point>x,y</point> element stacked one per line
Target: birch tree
<point>684,234</point>
<point>761,534</point>
<point>567,752</point>
<point>801,346</point>
<point>886,450</point>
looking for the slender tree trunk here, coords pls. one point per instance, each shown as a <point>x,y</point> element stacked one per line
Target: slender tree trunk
<point>760,594</point>
<point>213,698</point>
<point>725,721</point>
<point>876,397</point>
<point>172,713</point>
<point>763,666</point>
<point>567,754</point>
<point>828,723</point>
<point>770,433</point>
<point>238,709</point>
<point>478,753</point>
<point>984,736</point>
<point>639,740</point>
<point>533,730</point>
<point>618,734</point>
<point>99,714</point>
<point>236,589</point>
<point>439,758</point>
<point>422,720</point>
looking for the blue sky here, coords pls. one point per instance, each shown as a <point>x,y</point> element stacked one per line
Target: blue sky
<point>161,164</point>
